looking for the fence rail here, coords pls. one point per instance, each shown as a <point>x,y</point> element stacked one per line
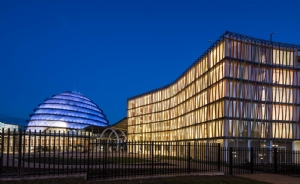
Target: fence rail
<point>35,154</point>
<point>31,154</point>
<point>150,159</point>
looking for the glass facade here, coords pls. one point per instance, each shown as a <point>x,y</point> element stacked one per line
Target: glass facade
<point>241,88</point>
<point>7,126</point>
<point>68,110</point>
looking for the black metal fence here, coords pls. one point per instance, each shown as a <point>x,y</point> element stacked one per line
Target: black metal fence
<point>137,159</point>
<point>34,154</point>
<point>260,160</point>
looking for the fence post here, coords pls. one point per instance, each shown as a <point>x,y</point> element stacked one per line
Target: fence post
<point>275,160</point>
<point>7,152</point>
<point>106,142</point>
<point>230,161</point>
<point>13,150</point>
<point>20,153</point>
<point>189,157</point>
<point>2,151</point>
<point>88,159</point>
<point>251,161</point>
<point>152,158</point>
<point>219,157</point>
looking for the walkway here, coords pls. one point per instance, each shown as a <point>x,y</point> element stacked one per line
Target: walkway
<point>272,178</point>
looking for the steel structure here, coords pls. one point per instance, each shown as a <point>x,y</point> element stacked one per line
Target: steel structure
<point>242,91</point>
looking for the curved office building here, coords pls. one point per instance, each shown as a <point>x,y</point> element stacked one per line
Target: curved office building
<point>67,110</point>
<point>242,91</point>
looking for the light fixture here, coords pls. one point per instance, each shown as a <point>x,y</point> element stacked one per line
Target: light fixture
<point>271,36</point>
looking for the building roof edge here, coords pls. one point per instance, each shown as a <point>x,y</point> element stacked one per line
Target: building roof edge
<point>221,38</point>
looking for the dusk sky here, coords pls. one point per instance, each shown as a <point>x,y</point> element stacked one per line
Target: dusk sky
<point>112,50</point>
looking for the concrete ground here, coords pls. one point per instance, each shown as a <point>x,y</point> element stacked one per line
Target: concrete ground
<point>272,178</point>
<point>269,178</point>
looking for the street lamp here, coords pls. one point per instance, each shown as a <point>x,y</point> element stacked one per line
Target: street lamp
<point>271,36</point>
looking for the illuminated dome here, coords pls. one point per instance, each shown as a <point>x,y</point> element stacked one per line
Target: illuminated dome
<point>67,110</point>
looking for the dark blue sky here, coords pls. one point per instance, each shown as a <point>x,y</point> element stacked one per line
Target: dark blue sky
<point>113,50</point>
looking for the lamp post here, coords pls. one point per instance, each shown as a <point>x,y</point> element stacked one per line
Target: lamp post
<point>271,35</point>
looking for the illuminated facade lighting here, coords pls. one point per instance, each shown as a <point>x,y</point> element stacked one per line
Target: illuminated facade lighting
<point>242,91</point>
<point>68,110</point>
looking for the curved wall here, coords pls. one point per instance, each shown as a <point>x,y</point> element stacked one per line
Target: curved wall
<point>241,88</point>
<point>175,111</point>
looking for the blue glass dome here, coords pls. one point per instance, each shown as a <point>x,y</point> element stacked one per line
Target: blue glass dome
<point>67,110</point>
